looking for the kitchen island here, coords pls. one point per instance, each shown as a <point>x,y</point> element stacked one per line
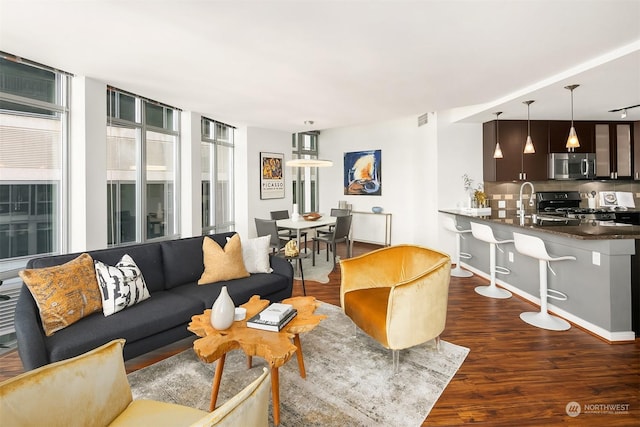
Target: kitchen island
<point>601,283</point>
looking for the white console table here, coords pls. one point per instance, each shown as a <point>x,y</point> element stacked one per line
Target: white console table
<point>364,219</point>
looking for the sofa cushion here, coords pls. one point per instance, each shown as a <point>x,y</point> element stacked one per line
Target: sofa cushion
<point>64,293</point>
<point>222,263</point>
<point>183,261</point>
<point>255,254</point>
<point>240,290</point>
<point>148,257</point>
<point>121,285</point>
<point>159,313</point>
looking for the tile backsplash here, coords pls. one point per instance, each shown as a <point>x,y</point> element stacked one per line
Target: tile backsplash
<point>510,191</point>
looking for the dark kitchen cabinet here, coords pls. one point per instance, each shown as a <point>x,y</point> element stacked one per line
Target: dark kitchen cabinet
<point>559,132</point>
<point>515,165</point>
<point>614,143</point>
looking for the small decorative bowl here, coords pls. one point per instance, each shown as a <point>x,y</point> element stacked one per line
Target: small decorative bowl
<point>376,209</point>
<point>313,216</point>
<point>239,314</point>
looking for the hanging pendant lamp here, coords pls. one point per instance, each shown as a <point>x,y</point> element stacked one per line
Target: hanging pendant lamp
<point>572,141</point>
<point>497,153</point>
<point>528,146</point>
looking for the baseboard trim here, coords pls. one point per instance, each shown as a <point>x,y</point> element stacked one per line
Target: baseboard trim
<point>609,336</point>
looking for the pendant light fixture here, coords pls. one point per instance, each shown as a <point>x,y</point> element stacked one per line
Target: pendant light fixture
<point>528,146</point>
<point>497,153</point>
<point>309,163</point>
<point>572,141</point>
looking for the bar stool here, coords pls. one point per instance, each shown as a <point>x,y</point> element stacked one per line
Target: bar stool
<point>535,248</point>
<point>450,224</point>
<point>485,233</point>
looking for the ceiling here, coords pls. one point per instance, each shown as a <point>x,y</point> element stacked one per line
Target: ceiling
<point>276,64</point>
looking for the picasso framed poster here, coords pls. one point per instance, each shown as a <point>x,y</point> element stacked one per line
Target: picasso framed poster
<point>363,173</point>
<point>271,176</point>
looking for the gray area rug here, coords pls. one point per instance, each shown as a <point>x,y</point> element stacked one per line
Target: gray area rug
<point>319,272</point>
<point>349,382</point>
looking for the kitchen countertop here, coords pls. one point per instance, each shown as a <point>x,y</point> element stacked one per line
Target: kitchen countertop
<point>587,230</point>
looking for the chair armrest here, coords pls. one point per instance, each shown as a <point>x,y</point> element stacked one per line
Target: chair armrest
<point>281,266</point>
<point>417,308</point>
<point>85,390</point>
<point>250,407</point>
<point>366,271</point>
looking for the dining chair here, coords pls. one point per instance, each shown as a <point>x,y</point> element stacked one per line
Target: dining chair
<point>339,234</point>
<point>334,212</point>
<point>288,233</point>
<point>268,227</point>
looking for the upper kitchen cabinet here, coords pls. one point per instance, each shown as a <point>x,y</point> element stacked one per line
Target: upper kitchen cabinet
<point>559,132</point>
<point>614,150</point>
<point>515,165</point>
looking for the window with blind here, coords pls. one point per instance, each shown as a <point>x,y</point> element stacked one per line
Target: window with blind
<point>216,150</point>
<point>142,168</point>
<point>33,139</point>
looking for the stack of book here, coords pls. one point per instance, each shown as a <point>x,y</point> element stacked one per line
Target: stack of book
<point>273,318</point>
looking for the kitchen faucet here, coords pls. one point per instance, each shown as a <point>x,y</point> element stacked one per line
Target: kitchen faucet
<point>522,210</point>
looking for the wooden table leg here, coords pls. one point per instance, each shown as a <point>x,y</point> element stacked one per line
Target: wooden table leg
<point>275,395</point>
<point>296,342</point>
<point>249,362</point>
<point>216,382</point>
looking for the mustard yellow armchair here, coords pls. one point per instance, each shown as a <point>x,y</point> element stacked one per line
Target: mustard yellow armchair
<point>397,295</point>
<point>92,390</point>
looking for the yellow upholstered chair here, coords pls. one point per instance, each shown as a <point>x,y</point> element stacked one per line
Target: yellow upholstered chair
<point>92,390</point>
<point>397,295</point>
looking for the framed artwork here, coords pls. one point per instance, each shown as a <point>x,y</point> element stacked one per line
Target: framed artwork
<point>271,176</point>
<point>363,173</point>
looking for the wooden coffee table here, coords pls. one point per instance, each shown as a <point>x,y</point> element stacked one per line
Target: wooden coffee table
<point>276,348</point>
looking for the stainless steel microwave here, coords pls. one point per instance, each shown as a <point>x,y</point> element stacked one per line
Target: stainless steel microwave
<point>572,166</point>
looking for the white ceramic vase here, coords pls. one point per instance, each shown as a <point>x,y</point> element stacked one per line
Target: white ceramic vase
<point>223,310</point>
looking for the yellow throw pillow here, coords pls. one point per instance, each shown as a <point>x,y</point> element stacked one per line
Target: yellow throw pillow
<point>222,264</point>
<point>64,293</point>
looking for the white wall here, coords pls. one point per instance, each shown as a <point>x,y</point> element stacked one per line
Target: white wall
<point>422,170</point>
<point>459,152</point>
<point>87,166</point>
<point>190,175</point>
<point>259,140</point>
<point>405,168</point>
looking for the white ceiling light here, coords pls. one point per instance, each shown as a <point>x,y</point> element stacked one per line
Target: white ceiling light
<point>497,154</point>
<point>528,147</point>
<point>572,141</point>
<point>309,163</point>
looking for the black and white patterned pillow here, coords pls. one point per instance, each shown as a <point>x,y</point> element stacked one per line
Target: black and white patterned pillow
<point>121,286</point>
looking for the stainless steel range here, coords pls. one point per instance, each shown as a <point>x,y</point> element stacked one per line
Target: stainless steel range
<point>591,214</point>
<point>566,204</point>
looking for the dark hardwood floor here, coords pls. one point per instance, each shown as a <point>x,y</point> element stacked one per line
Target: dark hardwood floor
<point>514,375</point>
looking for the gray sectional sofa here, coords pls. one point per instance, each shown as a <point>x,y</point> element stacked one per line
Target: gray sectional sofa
<point>171,270</point>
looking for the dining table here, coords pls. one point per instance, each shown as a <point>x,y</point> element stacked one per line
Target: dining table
<point>302,224</point>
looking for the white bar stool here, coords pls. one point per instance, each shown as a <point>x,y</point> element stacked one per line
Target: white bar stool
<point>535,248</point>
<point>485,233</point>
<point>450,224</point>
